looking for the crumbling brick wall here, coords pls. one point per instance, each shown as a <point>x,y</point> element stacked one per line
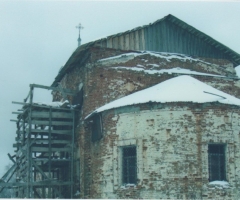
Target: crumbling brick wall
<point>172,151</point>
<point>103,83</point>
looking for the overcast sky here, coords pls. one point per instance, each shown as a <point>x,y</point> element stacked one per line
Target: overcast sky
<point>37,38</point>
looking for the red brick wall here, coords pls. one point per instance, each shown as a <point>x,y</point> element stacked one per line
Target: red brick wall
<point>103,84</point>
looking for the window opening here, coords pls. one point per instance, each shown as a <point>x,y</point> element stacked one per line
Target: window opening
<point>216,162</point>
<point>78,98</point>
<point>129,162</point>
<point>96,128</point>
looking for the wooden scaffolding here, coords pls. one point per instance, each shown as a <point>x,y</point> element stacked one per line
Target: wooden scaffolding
<point>43,164</point>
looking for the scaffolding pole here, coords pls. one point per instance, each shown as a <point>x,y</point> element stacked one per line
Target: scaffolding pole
<point>44,149</point>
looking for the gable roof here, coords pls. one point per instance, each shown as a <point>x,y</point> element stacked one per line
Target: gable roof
<point>179,89</point>
<point>235,57</point>
<point>232,54</point>
<point>79,54</point>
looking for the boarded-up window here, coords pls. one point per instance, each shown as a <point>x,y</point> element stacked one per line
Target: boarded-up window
<point>96,128</point>
<point>216,162</point>
<point>129,165</point>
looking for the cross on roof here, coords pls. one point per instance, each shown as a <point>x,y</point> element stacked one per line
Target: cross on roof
<point>79,38</point>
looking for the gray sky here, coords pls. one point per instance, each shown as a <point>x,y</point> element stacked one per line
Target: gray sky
<point>37,38</point>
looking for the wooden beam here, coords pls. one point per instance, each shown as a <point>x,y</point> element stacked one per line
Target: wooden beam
<point>21,103</point>
<point>39,122</point>
<point>48,106</point>
<point>39,141</point>
<point>10,157</point>
<point>53,160</point>
<point>39,183</point>
<point>45,149</point>
<point>67,91</point>
<point>21,151</point>
<point>54,114</point>
<point>13,120</point>
<point>17,113</point>
<point>16,145</point>
<point>64,132</point>
<point>40,170</point>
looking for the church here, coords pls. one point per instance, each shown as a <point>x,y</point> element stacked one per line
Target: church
<point>159,114</point>
<point>150,113</point>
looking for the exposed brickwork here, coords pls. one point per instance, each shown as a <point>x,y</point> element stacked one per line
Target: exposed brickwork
<point>174,155</point>
<point>172,139</point>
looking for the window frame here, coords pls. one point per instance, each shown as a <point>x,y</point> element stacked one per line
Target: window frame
<point>220,156</point>
<point>126,160</point>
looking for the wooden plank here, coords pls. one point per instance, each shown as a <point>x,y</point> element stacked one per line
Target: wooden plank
<point>39,183</point>
<point>13,120</point>
<point>17,113</point>
<point>47,107</point>
<point>53,160</point>
<point>22,168</point>
<point>16,145</point>
<point>54,115</point>
<point>22,173</point>
<point>21,151</point>
<point>21,159</point>
<point>67,91</point>
<point>64,132</point>
<point>45,149</point>
<point>39,141</point>
<point>21,103</point>
<point>40,170</point>
<point>11,158</point>
<point>61,123</point>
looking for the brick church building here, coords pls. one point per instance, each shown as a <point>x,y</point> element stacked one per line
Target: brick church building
<point>159,114</point>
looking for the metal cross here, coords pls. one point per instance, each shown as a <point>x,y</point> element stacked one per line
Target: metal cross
<point>79,27</point>
<point>79,38</point>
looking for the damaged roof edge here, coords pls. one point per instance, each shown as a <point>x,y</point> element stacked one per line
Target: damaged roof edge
<point>79,56</point>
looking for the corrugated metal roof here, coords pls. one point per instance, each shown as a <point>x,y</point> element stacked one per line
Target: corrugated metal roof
<point>210,40</point>
<point>76,57</point>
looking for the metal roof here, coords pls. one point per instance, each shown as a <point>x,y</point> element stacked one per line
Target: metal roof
<point>80,54</point>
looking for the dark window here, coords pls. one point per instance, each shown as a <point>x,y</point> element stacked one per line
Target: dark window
<point>78,98</point>
<point>216,162</point>
<point>129,162</point>
<point>96,128</point>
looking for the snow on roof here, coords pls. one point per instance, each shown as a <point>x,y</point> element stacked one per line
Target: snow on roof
<point>176,70</point>
<point>164,55</point>
<point>179,89</point>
